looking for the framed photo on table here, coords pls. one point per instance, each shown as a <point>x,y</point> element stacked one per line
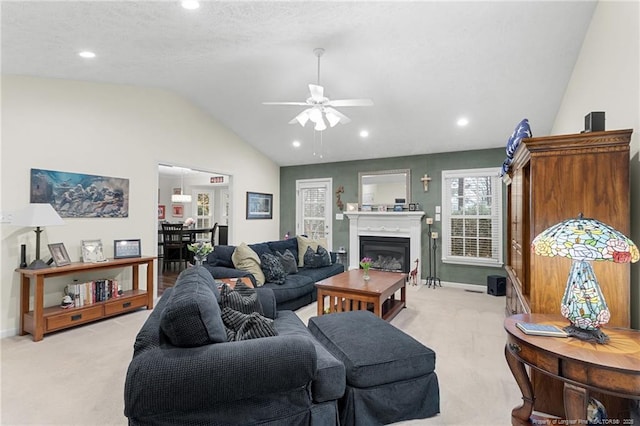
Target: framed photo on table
<point>126,248</point>
<point>259,205</point>
<point>59,254</point>
<point>92,251</point>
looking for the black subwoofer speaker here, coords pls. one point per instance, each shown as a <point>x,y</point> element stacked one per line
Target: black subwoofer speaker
<point>496,285</point>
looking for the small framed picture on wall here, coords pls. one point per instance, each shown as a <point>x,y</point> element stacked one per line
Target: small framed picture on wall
<point>161,211</point>
<point>177,210</point>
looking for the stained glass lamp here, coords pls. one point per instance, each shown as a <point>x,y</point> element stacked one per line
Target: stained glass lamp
<point>584,240</point>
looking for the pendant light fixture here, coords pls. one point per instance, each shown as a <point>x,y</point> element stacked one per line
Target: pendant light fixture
<point>181,197</point>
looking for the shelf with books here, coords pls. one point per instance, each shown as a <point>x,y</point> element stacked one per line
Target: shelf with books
<point>41,320</point>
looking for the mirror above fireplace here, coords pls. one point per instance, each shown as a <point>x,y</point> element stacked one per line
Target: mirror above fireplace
<point>384,187</point>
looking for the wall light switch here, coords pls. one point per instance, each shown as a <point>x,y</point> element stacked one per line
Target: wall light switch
<point>6,217</point>
<point>437,217</point>
<point>437,209</point>
<point>339,216</point>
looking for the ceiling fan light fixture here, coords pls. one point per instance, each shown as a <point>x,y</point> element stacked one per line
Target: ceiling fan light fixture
<point>320,125</point>
<point>332,118</point>
<point>315,115</point>
<point>302,118</point>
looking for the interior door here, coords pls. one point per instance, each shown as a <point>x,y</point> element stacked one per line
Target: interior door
<point>313,209</point>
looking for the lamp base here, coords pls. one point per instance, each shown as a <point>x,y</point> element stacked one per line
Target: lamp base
<point>588,335</point>
<point>38,264</point>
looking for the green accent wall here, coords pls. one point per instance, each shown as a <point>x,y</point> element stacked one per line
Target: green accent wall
<point>346,174</point>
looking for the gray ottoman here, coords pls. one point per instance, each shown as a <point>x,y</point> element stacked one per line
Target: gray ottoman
<point>390,375</point>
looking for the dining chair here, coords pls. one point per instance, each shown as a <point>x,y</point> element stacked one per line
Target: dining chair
<point>174,245</point>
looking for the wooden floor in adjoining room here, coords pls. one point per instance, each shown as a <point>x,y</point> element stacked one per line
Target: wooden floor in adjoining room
<point>166,278</point>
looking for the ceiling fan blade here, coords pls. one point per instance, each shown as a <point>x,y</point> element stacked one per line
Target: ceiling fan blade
<point>339,117</point>
<point>285,103</point>
<point>350,102</point>
<point>317,92</point>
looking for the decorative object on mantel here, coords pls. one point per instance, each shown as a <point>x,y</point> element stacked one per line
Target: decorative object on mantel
<point>80,195</point>
<point>339,202</point>
<point>352,207</point>
<point>38,215</point>
<point>366,264</point>
<point>425,181</point>
<point>584,240</point>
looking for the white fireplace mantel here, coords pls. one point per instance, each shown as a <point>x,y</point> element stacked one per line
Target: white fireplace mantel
<point>405,224</point>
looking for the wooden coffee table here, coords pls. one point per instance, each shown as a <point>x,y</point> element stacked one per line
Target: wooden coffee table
<point>349,291</point>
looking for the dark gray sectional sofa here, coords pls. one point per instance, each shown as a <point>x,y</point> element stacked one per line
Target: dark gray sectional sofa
<point>288,379</point>
<point>297,291</point>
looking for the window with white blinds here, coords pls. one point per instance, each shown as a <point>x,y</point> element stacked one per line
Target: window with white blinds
<point>472,217</point>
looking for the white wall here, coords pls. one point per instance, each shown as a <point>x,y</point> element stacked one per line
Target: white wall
<point>606,78</point>
<point>119,131</point>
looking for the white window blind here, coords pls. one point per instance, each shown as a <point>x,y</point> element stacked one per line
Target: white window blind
<point>472,217</point>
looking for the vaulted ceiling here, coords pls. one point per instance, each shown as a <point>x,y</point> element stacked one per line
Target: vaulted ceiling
<point>424,65</point>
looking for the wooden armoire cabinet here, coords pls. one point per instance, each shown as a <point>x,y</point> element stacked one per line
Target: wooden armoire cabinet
<point>552,179</point>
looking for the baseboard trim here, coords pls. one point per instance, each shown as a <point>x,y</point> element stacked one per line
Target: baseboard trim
<point>461,286</point>
<point>8,333</point>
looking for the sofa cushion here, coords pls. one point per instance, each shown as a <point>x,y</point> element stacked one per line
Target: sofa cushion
<point>191,316</point>
<point>294,286</point>
<point>353,338</point>
<point>242,314</point>
<point>245,259</point>
<point>303,243</point>
<point>261,248</point>
<point>281,246</point>
<point>288,260</point>
<point>221,256</point>
<point>317,258</point>
<point>318,274</point>
<point>272,268</point>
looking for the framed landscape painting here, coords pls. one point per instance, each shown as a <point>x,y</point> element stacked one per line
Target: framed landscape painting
<point>80,195</point>
<point>259,205</point>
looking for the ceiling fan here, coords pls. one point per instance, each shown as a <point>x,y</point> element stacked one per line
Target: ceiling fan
<point>321,108</point>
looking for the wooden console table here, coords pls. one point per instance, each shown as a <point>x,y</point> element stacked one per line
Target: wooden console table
<point>612,368</point>
<point>45,320</point>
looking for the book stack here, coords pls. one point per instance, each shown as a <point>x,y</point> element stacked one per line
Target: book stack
<point>541,329</point>
<point>91,292</point>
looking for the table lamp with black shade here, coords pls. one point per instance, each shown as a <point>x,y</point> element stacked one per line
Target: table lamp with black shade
<point>584,240</point>
<point>38,215</point>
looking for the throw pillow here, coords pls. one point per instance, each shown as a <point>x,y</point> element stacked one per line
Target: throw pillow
<point>303,244</point>
<point>289,262</point>
<point>241,298</point>
<point>272,268</point>
<point>246,326</point>
<point>242,314</point>
<point>247,260</point>
<point>191,316</point>
<point>316,259</point>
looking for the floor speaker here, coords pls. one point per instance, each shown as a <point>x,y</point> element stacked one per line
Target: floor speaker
<point>496,285</point>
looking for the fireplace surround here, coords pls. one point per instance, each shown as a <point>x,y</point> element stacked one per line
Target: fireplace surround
<point>404,224</point>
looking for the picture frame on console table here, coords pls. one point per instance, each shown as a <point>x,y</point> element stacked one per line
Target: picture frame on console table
<point>259,205</point>
<point>92,251</point>
<point>123,249</point>
<point>59,254</point>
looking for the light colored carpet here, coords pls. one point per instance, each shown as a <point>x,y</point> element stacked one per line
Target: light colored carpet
<point>76,377</point>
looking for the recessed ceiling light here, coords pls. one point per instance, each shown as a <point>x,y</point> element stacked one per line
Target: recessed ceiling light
<point>87,54</point>
<point>462,121</point>
<point>190,4</point>
<point>364,133</point>
<point>296,144</point>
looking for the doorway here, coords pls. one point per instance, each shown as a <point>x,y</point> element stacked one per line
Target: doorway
<point>313,209</point>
